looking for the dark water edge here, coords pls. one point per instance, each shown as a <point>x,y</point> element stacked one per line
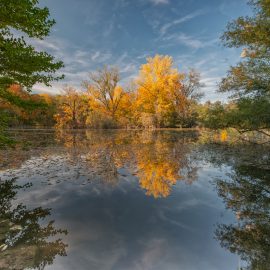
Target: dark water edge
<point>133,200</point>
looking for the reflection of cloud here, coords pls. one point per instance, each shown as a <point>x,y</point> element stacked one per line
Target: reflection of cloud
<point>155,251</point>
<point>99,257</point>
<point>162,216</point>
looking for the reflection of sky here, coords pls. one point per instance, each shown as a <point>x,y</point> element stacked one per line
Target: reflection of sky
<point>118,227</point>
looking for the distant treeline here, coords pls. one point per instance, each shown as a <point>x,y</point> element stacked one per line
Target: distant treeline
<point>160,97</point>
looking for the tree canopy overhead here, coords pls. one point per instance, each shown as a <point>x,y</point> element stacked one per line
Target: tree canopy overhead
<point>21,63</point>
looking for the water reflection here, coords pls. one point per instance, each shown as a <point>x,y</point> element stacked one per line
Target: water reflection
<point>157,159</point>
<point>247,193</point>
<point>161,163</point>
<point>96,183</point>
<point>24,241</point>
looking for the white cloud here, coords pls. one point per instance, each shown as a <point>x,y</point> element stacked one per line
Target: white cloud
<point>211,81</point>
<point>54,90</point>
<point>144,56</point>
<point>95,55</point>
<point>189,41</point>
<point>129,68</point>
<point>188,17</point>
<point>210,89</point>
<point>158,2</point>
<point>50,44</point>
<point>100,57</point>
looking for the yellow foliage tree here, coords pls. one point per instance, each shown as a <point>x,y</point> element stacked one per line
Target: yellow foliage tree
<point>164,94</point>
<point>159,85</point>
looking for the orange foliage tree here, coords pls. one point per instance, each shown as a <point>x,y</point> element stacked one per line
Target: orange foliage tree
<point>106,95</point>
<point>72,110</point>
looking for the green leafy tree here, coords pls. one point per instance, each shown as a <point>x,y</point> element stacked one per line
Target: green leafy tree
<point>21,63</point>
<point>249,81</point>
<point>213,115</point>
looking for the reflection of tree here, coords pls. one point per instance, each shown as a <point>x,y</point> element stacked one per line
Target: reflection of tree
<point>248,195</point>
<point>23,240</point>
<point>162,161</point>
<point>31,143</point>
<point>98,154</point>
<point>160,158</point>
<point>157,178</point>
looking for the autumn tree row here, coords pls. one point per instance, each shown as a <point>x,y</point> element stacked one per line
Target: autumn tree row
<point>160,96</point>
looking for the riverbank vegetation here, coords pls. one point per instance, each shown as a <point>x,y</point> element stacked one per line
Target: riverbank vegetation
<point>161,96</point>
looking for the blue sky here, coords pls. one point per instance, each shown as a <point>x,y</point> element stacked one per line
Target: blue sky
<point>91,33</point>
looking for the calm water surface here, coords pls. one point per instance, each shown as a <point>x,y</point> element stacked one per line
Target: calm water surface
<point>124,200</point>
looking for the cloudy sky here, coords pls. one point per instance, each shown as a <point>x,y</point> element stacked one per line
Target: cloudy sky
<point>91,33</point>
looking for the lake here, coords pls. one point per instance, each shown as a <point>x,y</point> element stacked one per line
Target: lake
<point>124,200</point>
